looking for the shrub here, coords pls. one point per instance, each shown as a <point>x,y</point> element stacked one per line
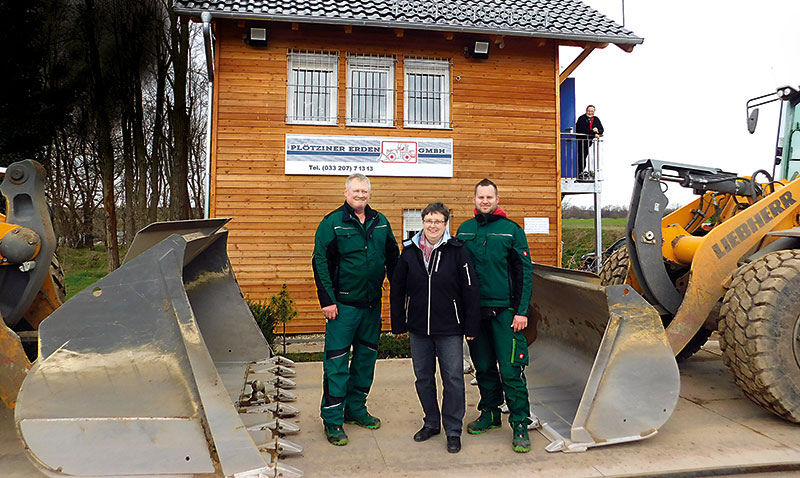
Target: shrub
<point>393,346</point>
<point>280,309</point>
<point>265,320</point>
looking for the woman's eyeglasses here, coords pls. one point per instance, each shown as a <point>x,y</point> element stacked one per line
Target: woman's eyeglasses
<point>433,222</point>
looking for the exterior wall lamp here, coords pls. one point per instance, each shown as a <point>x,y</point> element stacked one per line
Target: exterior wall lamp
<point>257,35</point>
<point>480,50</point>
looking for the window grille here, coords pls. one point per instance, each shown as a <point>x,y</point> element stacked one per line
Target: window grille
<point>427,93</point>
<point>312,87</point>
<point>412,223</point>
<point>370,90</point>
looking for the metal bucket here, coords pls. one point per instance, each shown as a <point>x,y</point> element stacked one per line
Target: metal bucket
<point>141,373</point>
<point>601,369</point>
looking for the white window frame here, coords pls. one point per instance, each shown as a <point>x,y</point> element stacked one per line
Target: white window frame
<point>319,63</point>
<point>412,223</point>
<point>374,95</point>
<point>429,67</point>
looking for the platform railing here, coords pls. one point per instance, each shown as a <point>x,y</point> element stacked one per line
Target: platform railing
<point>581,173</point>
<point>580,156</point>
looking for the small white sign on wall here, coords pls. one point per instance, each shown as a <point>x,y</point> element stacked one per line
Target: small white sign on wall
<point>537,225</point>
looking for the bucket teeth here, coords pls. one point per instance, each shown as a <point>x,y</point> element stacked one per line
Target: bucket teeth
<point>278,395</point>
<point>278,370</point>
<point>281,360</point>
<point>277,426</point>
<point>281,447</point>
<point>282,410</point>
<point>535,423</point>
<point>286,471</point>
<point>468,368</point>
<point>253,409</point>
<point>266,472</point>
<point>281,382</point>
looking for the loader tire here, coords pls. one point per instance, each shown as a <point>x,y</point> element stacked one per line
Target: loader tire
<point>57,275</point>
<point>759,332</point>
<point>615,269</point>
<point>615,272</point>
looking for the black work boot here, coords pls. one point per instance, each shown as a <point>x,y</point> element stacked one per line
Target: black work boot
<point>335,434</point>
<point>489,420</point>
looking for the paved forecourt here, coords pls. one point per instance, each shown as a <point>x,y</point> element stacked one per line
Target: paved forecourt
<point>714,428</point>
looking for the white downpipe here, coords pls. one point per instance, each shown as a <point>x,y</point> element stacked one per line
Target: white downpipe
<point>209,49</point>
<point>207,176</point>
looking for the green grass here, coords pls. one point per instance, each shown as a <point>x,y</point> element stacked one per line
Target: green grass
<point>82,267</point>
<point>583,223</point>
<point>390,346</point>
<point>304,356</point>
<point>578,237</point>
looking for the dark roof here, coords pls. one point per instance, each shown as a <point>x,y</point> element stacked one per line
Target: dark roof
<point>559,19</point>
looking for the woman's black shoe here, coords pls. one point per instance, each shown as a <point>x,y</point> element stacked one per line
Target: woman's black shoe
<point>424,433</point>
<point>453,444</point>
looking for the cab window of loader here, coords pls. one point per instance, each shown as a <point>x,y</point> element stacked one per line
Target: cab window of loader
<point>794,134</point>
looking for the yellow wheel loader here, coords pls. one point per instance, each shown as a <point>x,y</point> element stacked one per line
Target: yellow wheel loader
<point>31,282</point>
<point>158,369</point>
<point>604,358</point>
<point>728,261</point>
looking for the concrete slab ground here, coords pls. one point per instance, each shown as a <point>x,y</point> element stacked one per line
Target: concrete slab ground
<point>715,431</point>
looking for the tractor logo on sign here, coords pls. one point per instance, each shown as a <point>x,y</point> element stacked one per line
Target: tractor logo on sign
<point>398,152</point>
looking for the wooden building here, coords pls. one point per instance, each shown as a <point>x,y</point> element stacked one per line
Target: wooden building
<point>426,98</point>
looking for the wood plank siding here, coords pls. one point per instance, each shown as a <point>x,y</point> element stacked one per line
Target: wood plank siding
<point>505,116</point>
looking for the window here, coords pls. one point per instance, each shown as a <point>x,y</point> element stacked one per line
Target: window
<point>427,95</point>
<point>370,90</point>
<point>312,88</point>
<point>412,223</point>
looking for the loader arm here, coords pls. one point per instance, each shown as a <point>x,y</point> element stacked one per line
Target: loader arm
<point>720,252</point>
<point>710,236</point>
<point>27,248</point>
<point>28,227</point>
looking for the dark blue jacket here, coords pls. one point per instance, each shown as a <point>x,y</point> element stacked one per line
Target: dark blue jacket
<point>442,299</point>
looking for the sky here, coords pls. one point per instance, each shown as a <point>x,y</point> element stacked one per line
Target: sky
<point>680,96</point>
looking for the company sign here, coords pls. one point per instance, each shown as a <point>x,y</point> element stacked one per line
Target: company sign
<point>370,155</point>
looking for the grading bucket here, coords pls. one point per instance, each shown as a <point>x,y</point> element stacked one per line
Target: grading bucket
<point>601,369</point>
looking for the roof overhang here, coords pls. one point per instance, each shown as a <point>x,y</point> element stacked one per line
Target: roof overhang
<point>625,43</point>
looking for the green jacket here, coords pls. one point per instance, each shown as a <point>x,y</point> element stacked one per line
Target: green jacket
<point>351,259</point>
<point>502,260</point>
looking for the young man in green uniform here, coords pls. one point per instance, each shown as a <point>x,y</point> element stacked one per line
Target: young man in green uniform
<point>499,353</point>
<point>354,249</point>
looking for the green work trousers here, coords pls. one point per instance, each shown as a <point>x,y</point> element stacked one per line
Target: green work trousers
<point>345,381</point>
<point>500,355</point>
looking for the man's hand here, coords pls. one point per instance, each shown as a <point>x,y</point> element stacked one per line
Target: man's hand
<point>470,338</point>
<point>520,322</point>
<point>330,311</point>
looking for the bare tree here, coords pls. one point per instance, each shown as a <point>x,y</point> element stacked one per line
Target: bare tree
<point>133,135</point>
<point>91,29</point>
<point>179,117</point>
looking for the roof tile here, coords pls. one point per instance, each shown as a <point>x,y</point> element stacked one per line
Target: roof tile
<point>566,19</point>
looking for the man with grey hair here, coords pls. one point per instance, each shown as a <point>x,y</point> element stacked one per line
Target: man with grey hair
<point>354,249</point>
